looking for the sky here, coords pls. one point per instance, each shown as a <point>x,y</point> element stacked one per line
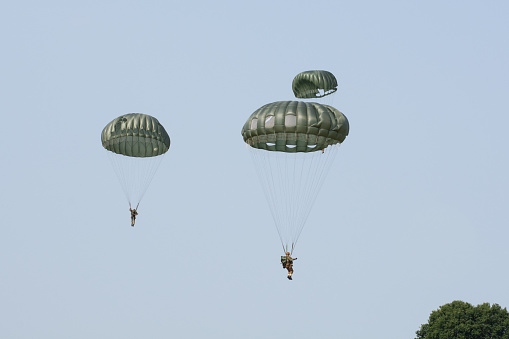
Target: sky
<point>412,214</point>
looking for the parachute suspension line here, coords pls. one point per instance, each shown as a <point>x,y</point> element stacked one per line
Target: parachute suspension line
<point>296,180</point>
<point>320,173</point>
<point>282,191</point>
<point>275,203</point>
<point>134,174</point>
<point>291,183</point>
<point>269,169</point>
<point>303,182</point>
<point>295,201</point>
<point>150,170</point>
<point>308,183</point>
<point>281,163</point>
<point>328,160</point>
<point>265,175</point>
<point>295,207</point>
<point>274,173</point>
<point>121,172</point>
<point>313,164</point>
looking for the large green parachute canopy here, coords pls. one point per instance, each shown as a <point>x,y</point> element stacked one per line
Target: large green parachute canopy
<point>135,135</point>
<point>295,126</point>
<point>136,143</point>
<point>314,84</point>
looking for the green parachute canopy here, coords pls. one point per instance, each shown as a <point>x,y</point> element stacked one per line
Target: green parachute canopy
<point>295,126</point>
<point>135,135</point>
<point>314,84</point>
<point>136,145</point>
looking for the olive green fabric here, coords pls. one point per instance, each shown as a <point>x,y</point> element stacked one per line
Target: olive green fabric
<point>307,84</point>
<point>295,126</point>
<point>135,135</point>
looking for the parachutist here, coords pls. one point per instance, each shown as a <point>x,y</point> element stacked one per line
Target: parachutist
<point>287,262</point>
<point>134,213</point>
<point>135,143</point>
<point>285,148</point>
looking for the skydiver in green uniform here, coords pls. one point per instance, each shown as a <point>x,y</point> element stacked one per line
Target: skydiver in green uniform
<point>288,264</point>
<point>134,213</point>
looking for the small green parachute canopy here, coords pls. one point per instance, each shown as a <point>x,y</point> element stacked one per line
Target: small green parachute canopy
<point>295,126</point>
<point>135,135</point>
<point>314,84</point>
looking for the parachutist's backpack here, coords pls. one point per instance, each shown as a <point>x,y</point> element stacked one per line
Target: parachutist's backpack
<point>284,261</point>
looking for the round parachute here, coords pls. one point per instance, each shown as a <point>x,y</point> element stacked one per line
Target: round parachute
<point>136,143</point>
<point>135,135</point>
<point>314,84</point>
<point>293,145</point>
<point>295,126</point>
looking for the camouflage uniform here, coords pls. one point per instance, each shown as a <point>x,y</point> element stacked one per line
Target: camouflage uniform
<point>133,216</point>
<point>288,264</point>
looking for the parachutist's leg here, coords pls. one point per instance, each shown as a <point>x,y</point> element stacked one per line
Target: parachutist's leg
<point>290,271</point>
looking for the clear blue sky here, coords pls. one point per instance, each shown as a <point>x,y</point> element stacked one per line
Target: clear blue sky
<point>413,215</point>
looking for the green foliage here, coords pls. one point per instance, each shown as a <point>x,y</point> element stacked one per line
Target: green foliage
<point>461,320</point>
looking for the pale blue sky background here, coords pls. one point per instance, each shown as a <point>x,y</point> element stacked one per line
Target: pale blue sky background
<point>413,215</point>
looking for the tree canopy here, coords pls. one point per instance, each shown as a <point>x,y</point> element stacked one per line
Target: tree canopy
<point>461,320</point>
